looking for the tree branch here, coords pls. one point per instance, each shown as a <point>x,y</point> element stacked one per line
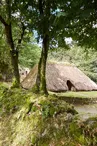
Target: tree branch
<point>3,21</point>
<point>8,8</point>
<point>40,7</point>
<point>22,34</point>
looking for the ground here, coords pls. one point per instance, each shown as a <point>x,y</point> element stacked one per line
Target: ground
<point>81,94</point>
<point>28,119</point>
<point>84,102</point>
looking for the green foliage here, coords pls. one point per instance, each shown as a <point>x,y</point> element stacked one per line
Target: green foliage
<point>84,26</point>
<point>5,61</point>
<point>29,55</point>
<point>84,132</point>
<point>14,26</point>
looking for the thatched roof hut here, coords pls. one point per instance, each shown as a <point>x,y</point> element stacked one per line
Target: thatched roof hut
<point>61,77</point>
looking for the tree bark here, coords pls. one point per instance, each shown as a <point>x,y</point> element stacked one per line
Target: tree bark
<point>43,65</point>
<point>44,15</point>
<point>13,53</point>
<point>38,79</point>
<point>41,75</point>
<point>9,37</point>
<point>14,60</point>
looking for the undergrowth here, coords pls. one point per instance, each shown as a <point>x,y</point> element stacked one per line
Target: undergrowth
<point>28,119</point>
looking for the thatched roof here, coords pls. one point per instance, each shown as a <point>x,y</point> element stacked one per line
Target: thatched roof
<point>61,77</point>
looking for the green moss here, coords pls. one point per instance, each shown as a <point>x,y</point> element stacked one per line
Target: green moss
<point>28,119</point>
<point>15,84</point>
<point>88,94</point>
<point>35,89</point>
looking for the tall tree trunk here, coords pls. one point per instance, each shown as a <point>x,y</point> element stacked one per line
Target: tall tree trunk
<point>38,79</point>
<point>44,16</point>
<point>41,75</point>
<point>43,65</point>
<point>9,37</point>
<point>14,60</point>
<point>13,53</point>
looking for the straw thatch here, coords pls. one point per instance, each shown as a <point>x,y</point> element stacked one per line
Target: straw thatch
<point>61,77</point>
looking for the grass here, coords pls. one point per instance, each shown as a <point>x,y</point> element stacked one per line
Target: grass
<point>28,119</point>
<point>88,94</point>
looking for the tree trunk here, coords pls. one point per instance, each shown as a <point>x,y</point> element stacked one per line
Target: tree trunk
<point>13,53</point>
<point>43,65</point>
<point>14,60</point>
<point>9,37</point>
<point>38,79</point>
<point>41,75</point>
<point>44,21</point>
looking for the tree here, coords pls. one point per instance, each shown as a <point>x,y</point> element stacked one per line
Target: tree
<point>47,17</point>
<point>5,64</point>
<point>8,18</point>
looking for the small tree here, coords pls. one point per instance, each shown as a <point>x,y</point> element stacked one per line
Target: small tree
<point>9,19</point>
